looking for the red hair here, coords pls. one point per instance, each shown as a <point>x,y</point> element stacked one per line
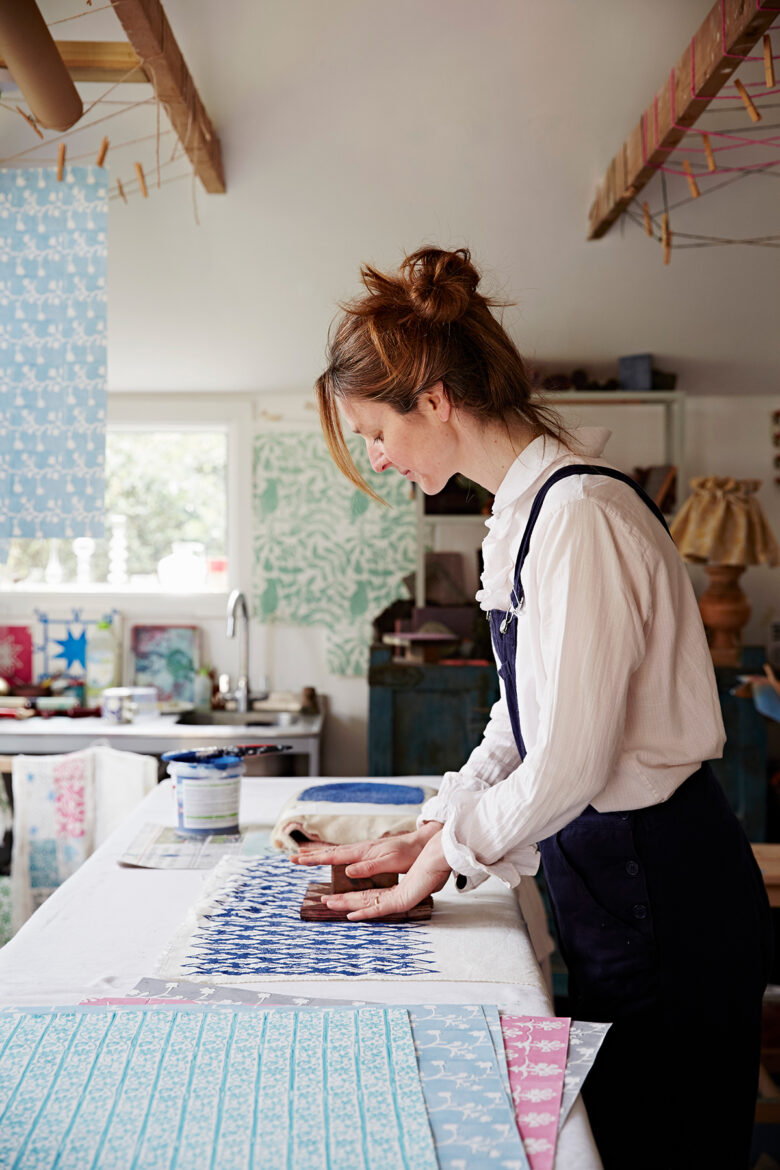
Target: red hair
<point>424,324</point>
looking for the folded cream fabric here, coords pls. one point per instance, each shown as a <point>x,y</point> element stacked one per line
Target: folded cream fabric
<point>344,812</point>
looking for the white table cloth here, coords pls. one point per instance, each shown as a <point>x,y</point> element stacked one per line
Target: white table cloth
<point>107,926</point>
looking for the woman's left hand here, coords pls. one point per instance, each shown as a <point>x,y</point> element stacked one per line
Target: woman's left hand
<point>427,875</point>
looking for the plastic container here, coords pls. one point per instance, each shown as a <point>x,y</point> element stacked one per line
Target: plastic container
<point>202,689</point>
<point>207,793</point>
<point>102,665</point>
<point>129,704</point>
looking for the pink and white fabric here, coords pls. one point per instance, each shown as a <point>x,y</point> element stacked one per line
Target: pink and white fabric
<point>64,807</point>
<point>536,1050</point>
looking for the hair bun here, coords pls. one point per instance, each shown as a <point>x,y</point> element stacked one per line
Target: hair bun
<point>440,285</point>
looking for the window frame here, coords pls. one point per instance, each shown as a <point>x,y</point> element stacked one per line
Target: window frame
<point>179,411</point>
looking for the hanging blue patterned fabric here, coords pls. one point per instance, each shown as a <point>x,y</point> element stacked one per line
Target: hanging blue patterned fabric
<point>52,352</point>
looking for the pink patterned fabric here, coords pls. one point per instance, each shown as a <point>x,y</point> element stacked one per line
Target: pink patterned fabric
<point>536,1050</point>
<point>70,775</point>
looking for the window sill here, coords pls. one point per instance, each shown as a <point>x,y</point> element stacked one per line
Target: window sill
<point>184,606</point>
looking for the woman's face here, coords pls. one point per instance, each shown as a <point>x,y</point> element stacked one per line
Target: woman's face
<point>420,445</point>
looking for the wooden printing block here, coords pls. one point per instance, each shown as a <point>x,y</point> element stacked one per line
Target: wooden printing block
<point>314,910</point>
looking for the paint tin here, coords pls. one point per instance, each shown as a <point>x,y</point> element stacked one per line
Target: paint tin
<point>207,792</point>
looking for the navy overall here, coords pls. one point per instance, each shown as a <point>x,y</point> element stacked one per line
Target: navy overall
<point>664,925</point>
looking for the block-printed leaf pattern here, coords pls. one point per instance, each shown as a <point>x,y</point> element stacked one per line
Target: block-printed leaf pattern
<point>324,554</point>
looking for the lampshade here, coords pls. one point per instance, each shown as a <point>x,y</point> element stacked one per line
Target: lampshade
<point>723,527</point>
<point>722,523</point>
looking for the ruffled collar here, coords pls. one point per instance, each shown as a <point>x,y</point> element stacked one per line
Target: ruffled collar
<point>517,489</point>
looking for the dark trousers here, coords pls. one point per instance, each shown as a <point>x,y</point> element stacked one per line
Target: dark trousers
<point>664,924</point>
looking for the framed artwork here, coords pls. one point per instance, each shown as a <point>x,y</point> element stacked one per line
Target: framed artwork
<point>60,640</point>
<point>16,653</point>
<point>166,657</point>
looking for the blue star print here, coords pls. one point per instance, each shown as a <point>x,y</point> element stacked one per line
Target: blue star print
<point>73,649</point>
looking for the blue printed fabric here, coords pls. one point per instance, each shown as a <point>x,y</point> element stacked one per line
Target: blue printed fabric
<point>52,352</point>
<point>191,1089</point>
<point>364,793</point>
<point>253,928</point>
<point>469,1106</point>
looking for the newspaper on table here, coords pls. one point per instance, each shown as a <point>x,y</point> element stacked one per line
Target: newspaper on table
<point>163,847</point>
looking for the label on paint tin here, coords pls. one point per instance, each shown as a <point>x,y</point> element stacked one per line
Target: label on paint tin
<point>208,806</point>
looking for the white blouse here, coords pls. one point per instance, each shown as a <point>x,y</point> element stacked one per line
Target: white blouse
<point>616,691</point>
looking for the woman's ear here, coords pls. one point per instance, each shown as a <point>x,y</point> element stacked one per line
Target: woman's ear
<point>438,401</point>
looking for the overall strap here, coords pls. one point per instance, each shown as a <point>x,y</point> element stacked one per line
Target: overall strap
<point>564,473</point>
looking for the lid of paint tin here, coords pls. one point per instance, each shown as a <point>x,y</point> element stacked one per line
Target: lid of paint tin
<point>196,757</point>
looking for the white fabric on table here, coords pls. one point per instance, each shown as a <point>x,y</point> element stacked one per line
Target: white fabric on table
<point>343,822</point>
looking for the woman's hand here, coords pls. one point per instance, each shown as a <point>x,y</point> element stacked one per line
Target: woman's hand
<point>428,873</point>
<point>365,858</point>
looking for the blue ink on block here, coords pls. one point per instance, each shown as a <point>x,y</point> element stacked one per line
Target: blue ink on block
<point>364,793</point>
<point>256,929</point>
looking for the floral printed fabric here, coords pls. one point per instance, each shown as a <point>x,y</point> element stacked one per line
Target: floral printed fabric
<point>470,1114</point>
<point>536,1050</point>
<point>200,1087</point>
<point>52,351</point>
<point>325,554</point>
<point>247,925</point>
<point>64,807</point>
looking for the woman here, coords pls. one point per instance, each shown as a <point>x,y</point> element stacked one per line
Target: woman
<point>595,749</point>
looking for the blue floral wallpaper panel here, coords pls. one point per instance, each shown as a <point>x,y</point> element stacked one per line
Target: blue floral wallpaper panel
<point>52,351</point>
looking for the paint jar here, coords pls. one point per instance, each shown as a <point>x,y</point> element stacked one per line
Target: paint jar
<point>207,792</point>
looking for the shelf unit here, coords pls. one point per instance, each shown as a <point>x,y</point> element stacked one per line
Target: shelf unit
<point>673,403</point>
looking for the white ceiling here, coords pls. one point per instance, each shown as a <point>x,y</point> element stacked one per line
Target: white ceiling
<point>354,130</point>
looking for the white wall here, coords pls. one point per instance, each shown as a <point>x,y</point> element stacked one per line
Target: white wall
<point>354,130</point>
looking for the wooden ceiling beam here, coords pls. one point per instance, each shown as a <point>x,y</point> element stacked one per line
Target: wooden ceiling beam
<point>732,27</point>
<point>149,33</point>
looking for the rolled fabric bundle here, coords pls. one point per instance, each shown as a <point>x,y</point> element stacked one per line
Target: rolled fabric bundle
<point>342,812</point>
<point>34,61</point>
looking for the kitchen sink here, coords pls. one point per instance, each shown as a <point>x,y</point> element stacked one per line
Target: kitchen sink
<point>238,718</point>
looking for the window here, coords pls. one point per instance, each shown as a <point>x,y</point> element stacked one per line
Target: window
<point>166,520</point>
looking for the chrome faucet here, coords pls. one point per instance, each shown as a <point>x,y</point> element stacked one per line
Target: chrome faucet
<point>237,604</point>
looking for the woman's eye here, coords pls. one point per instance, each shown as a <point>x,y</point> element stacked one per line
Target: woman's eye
<point>377,439</point>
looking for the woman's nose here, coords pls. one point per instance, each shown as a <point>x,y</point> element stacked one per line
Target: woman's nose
<point>378,460</point>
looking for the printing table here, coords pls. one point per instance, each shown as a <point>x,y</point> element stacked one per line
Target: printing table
<point>106,926</point>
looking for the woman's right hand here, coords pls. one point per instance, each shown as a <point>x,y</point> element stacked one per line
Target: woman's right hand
<point>395,854</point>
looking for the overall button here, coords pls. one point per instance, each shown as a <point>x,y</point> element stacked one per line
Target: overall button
<point>632,868</point>
<point>640,910</point>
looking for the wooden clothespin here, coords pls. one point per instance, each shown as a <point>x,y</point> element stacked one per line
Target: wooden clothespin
<point>101,157</point>
<point>751,109</point>
<point>29,121</point>
<point>648,220</point>
<point>60,162</point>
<point>694,186</point>
<point>711,166</point>
<point>139,170</point>
<point>666,237</point>
<point>121,190</point>
<point>769,65</point>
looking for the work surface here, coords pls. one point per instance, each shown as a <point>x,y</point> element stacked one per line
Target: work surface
<point>108,925</point>
<point>59,733</point>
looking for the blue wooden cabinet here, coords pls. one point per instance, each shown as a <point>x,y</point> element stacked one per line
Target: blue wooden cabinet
<point>425,719</point>
<point>743,769</point>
